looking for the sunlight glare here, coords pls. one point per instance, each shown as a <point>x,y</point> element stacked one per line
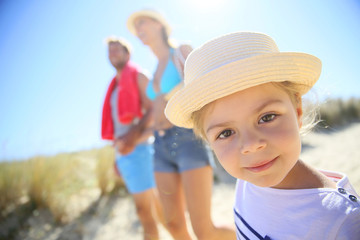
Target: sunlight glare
<point>208,5</point>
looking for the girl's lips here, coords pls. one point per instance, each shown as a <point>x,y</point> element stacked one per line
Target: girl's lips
<point>262,166</point>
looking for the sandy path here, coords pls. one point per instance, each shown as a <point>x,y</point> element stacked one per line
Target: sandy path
<point>121,222</point>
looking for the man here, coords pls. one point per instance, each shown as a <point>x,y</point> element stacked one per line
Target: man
<point>126,120</point>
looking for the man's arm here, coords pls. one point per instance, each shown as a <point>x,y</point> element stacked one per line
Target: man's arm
<point>140,131</point>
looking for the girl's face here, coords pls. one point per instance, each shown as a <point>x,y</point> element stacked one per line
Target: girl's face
<point>147,29</point>
<point>255,134</point>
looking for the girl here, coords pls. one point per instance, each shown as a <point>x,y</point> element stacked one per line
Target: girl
<point>182,170</point>
<point>243,97</point>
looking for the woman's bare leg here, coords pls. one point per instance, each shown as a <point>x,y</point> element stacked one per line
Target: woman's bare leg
<point>144,203</point>
<point>198,192</point>
<point>172,198</point>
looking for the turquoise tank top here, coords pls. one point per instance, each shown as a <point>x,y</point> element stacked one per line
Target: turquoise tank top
<point>169,79</point>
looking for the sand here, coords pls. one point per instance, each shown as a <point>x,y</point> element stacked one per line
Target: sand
<point>113,217</point>
<point>335,150</point>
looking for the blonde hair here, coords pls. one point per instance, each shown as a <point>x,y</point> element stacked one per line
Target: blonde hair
<point>121,41</point>
<point>310,112</point>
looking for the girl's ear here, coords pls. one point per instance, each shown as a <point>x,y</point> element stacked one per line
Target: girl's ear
<point>299,110</point>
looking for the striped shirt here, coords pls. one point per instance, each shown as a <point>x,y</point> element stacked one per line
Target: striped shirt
<point>319,213</point>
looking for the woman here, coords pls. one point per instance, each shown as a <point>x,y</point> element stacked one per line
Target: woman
<point>183,173</point>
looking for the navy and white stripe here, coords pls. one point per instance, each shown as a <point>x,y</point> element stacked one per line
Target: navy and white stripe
<point>250,232</point>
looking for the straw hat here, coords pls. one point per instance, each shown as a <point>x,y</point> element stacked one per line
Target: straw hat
<point>147,13</point>
<point>234,62</point>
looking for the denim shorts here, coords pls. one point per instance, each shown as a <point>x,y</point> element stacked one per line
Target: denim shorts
<point>178,150</point>
<point>137,168</point>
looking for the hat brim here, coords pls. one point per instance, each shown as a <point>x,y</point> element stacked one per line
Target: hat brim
<point>147,13</point>
<point>299,68</point>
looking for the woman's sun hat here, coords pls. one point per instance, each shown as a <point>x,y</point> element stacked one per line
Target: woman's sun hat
<point>147,13</point>
<point>234,62</point>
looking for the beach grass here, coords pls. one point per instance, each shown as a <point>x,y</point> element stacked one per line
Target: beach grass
<point>53,180</point>
<point>49,182</point>
<point>339,112</point>
<point>107,178</point>
<point>13,185</point>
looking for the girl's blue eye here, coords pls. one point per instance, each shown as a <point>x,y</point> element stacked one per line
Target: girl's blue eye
<point>267,118</point>
<point>225,134</point>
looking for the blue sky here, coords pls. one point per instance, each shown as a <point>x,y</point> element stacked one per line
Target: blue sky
<point>54,69</point>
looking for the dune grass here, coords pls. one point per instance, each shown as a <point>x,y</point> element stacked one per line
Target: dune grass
<point>53,180</point>
<point>107,178</point>
<point>49,182</point>
<point>13,185</point>
<point>339,112</point>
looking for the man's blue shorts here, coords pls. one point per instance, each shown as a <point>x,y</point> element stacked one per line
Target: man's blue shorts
<point>137,168</point>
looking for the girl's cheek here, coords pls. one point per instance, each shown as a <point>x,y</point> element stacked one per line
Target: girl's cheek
<point>225,153</point>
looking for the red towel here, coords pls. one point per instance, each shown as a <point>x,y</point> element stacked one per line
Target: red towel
<point>128,102</point>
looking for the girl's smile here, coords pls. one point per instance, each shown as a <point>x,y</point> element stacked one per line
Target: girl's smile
<point>262,166</point>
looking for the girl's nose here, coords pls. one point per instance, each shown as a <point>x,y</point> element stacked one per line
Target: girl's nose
<point>251,143</point>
